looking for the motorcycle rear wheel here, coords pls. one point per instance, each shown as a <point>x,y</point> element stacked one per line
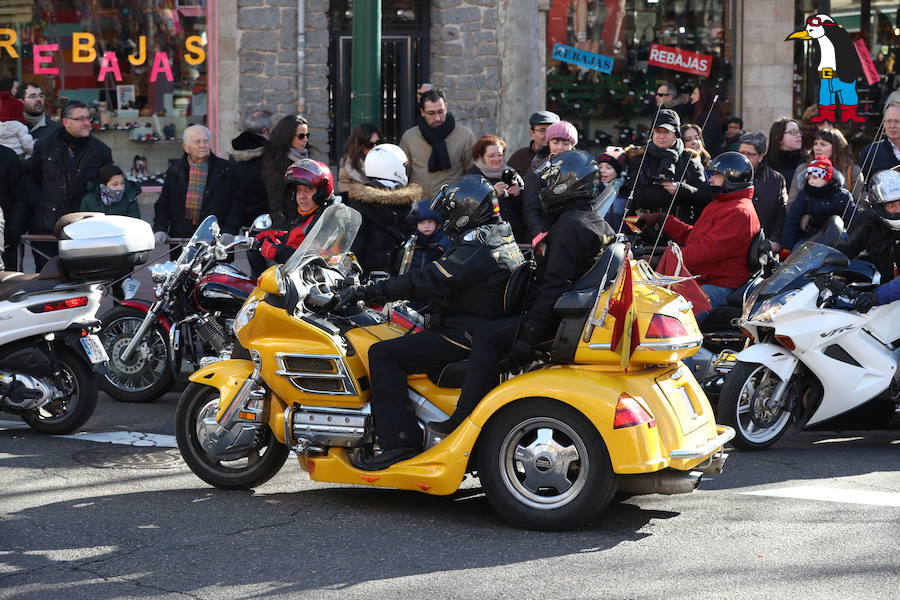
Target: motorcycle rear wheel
<point>148,374</point>
<point>544,466</point>
<point>254,469</point>
<point>78,383</point>
<point>736,407</point>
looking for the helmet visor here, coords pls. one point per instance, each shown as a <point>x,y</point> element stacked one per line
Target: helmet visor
<point>440,202</point>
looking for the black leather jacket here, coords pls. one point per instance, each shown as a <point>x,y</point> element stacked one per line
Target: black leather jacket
<point>465,285</point>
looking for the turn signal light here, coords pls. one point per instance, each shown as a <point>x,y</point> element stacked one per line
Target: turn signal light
<point>60,305</point>
<point>629,413</point>
<point>664,326</point>
<point>786,341</point>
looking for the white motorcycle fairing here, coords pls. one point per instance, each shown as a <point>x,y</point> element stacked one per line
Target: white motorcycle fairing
<point>852,364</point>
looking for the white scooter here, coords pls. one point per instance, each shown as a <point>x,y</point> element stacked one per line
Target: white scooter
<point>48,350</point>
<point>816,362</point>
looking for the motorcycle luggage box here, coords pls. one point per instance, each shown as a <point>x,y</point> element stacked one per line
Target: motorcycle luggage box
<point>105,246</point>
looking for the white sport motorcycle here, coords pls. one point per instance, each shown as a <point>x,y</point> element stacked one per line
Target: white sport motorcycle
<point>48,350</point>
<point>816,362</point>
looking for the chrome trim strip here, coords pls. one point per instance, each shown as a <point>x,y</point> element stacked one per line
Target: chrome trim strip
<point>665,346</point>
<point>288,426</point>
<point>708,448</point>
<point>342,374</point>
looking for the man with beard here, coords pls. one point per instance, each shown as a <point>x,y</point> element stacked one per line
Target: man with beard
<point>39,125</point>
<point>439,150</point>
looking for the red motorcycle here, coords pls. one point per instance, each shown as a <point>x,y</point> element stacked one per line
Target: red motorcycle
<point>197,297</point>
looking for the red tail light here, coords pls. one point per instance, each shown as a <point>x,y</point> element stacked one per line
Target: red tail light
<point>786,341</point>
<point>664,326</point>
<point>59,305</point>
<point>629,413</point>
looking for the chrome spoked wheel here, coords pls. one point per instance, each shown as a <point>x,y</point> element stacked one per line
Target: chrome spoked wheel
<point>751,404</point>
<point>147,373</point>
<point>544,463</point>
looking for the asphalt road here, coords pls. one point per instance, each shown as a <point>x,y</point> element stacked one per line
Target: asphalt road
<point>817,516</point>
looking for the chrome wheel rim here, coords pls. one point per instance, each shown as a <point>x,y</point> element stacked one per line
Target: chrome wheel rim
<point>66,384</point>
<point>543,463</point>
<point>148,362</point>
<point>755,406</point>
<point>238,464</point>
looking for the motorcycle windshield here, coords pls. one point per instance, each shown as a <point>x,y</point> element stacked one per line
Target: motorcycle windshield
<point>205,234</point>
<point>332,235</point>
<point>807,257</point>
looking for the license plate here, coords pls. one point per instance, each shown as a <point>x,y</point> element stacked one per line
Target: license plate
<point>130,287</point>
<point>688,405</point>
<point>95,351</point>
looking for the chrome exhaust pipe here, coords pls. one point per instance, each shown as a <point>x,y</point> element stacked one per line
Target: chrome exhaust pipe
<point>713,466</point>
<point>661,482</point>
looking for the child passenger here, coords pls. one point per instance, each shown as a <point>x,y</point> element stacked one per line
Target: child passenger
<point>822,195</point>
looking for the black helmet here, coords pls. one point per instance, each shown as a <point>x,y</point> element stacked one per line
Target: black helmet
<point>567,176</point>
<point>736,169</point>
<point>466,204</point>
<point>884,189</point>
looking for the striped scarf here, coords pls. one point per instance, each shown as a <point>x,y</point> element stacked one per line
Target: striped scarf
<point>193,200</point>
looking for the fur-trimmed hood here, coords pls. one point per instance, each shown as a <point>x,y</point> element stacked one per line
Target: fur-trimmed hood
<point>246,155</point>
<point>365,194</point>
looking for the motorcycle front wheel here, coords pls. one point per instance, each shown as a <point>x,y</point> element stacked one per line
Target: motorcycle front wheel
<point>746,405</point>
<point>544,466</point>
<point>77,383</point>
<point>250,471</point>
<point>147,374</point>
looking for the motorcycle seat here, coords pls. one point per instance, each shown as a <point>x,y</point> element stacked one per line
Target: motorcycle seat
<point>50,276</point>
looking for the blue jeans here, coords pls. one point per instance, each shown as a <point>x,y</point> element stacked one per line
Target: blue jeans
<point>831,89</point>
<point>717,294</point>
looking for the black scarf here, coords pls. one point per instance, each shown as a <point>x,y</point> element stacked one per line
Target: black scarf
<point>667,158</point>
<point>435,136</point>
<point>75,148</point>
<point>821,192</point>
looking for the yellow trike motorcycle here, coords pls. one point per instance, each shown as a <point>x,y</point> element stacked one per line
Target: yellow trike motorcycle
<point>551,446</point>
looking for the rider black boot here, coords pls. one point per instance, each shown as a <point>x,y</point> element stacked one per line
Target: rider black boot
<point>387,458</point>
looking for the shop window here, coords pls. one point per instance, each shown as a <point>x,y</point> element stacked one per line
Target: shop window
<point>140,65</point>
<point>617,107</point>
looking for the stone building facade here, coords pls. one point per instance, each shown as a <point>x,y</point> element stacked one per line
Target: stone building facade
<point>488,55</point>
<point>478,55</point>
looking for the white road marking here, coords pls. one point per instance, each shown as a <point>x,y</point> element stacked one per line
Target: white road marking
<point>122,438</point>
<point>826,494</point>
<point>127,438</point>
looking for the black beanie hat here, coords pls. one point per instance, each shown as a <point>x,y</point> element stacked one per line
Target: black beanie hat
<point>611,161</point>
<point>107,172</point>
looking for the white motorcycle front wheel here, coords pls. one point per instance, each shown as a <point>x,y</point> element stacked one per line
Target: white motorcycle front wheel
<point>750,404</point>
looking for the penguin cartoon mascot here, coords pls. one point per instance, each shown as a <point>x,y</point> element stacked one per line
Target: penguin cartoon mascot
<point>839,68</point>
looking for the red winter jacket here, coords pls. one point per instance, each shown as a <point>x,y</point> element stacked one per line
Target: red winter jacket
<point>716,247</point>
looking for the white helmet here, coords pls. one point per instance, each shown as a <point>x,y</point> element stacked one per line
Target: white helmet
<point>885,189</point>
<point>387,163</point>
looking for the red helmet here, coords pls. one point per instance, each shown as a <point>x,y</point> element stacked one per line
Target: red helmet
<point>314,174</point>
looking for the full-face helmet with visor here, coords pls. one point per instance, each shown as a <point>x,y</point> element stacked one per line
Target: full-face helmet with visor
<point>314,174</point>
<point>466,204</point>
<point>884,195</point>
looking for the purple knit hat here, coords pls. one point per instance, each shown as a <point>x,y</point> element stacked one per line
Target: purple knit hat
<point>564,130</point>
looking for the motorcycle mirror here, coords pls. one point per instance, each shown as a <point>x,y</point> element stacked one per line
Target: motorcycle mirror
<point>263,221</point>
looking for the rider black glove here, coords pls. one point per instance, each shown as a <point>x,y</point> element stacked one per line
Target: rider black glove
<point>520,356</point>
<point>865,301</point>
<point>350,295</point>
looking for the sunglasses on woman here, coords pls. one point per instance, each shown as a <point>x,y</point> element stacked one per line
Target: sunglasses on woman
<point>302,136</point>
<point>370,144</point>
